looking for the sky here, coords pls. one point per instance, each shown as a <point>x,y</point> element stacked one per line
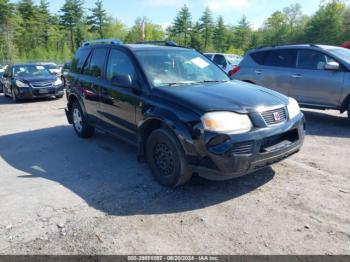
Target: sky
<point>163,11</point>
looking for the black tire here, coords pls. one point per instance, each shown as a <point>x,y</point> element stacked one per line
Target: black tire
<point>83,130</point>
<point>166,159</point>
<point>59,97</point>
<point>349,112</point>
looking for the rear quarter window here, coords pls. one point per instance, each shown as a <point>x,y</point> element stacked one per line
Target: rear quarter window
<point>258,57</point>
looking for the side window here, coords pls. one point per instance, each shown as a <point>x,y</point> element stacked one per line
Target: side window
<point>119,64</point>
<point>97,62</point>
<point>220,60</point>
<point>79,60</point>
<point>281,58</point>
<point>86,67</point>
<point>258,57</point>
<point>313,60</point>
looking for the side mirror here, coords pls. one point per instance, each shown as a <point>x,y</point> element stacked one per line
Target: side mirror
<point>334,66</point>
<point>122,80</point>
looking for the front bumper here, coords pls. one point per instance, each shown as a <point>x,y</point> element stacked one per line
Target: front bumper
<point>237,155</point>
<point>31,93</point>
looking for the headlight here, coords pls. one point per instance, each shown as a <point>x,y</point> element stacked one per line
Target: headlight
<point>293,108</point>
<point>21,84</point>
<point>58,82</point>
<point>227,122</point>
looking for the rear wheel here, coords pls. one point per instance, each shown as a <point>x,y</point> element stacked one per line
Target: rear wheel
<point>81,127</point>
<point>166,159</point>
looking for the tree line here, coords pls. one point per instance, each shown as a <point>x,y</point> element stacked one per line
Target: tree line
<point>30,32</point>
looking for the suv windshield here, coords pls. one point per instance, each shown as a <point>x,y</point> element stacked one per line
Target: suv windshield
<point>30,70</point>
<point>341,53</point>
<point>178,67</point>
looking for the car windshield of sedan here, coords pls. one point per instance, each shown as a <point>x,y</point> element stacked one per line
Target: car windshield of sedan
<point>179,67</point>
<point>341,53</point>
<point>30,70</point>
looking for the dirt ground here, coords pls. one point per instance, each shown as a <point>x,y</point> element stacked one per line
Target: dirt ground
<point>63,195</point>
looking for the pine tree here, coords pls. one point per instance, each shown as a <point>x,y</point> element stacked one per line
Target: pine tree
<point>98,20</point>
<point>182,24</point>
<point>71,19</point>
<point>207,28</point>
<point>220,35</point>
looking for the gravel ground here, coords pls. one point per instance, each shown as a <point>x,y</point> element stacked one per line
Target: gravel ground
<point>63,195</point>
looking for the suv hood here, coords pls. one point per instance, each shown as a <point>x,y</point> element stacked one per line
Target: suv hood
<point>233,96</point>
<point>31,79</point>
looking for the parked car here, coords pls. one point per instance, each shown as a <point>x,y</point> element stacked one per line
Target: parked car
<point>317,76</point>
<point>53,68</point>
<point>228,62</point>
<point>183,113</point>
<point>27,81</point>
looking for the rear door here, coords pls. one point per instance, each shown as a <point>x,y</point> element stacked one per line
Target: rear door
<point>91,80</point>
<point>278,66</point>
<point>118,103</point>
<point>312,84</point>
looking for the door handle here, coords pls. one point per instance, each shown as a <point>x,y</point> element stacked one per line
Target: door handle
<point>258,72</point>
<point>297,76</point>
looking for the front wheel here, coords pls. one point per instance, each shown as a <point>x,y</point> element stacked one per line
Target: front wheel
<point>81,127</point>
<point>59,96</point>
<point>166,159</point>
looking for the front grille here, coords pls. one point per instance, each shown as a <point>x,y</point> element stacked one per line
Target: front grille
<point>276,116</point>
<point>41,84</point>
<point>244,148</point>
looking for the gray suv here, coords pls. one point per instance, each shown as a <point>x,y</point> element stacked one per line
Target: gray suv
<point>317,76</point>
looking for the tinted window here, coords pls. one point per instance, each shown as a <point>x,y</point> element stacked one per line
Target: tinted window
<point>281,58</point>
<point>258,57</point>
<point>119,64</point>
<point>97,62</point>
<point>313,60</point>
<point>79,59</point>
<point>220,60</point>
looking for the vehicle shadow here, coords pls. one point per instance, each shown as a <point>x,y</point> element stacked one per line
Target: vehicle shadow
<point>320,123</point>
<point>104,172</point>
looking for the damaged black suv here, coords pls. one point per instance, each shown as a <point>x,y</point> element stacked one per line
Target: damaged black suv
<point>182,111</point>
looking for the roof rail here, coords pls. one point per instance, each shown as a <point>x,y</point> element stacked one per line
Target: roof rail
<point>165,43</point>
<point>103,41</point>
<point>272,46</point>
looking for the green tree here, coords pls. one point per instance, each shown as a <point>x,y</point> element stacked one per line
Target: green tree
<point>220,35</point>
<point>7,48</point>
<point>207,28</point>
<point>71,19</point>
<point>182,24</point>
<point>242,34</point>
<point>327,25</point>
<point>276,29</point>
<point>152,31</point>
<point>98,20</point>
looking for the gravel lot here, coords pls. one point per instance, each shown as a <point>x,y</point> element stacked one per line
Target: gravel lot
<point>63,195</point>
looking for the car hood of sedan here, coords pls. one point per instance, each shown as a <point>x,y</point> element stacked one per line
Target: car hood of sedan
<point>31,79</point>
<point>233,96</point>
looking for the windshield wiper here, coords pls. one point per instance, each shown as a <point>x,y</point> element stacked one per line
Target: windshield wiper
<point>211,81</point>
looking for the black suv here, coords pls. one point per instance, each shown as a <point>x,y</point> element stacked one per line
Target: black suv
<point>182,111</point>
